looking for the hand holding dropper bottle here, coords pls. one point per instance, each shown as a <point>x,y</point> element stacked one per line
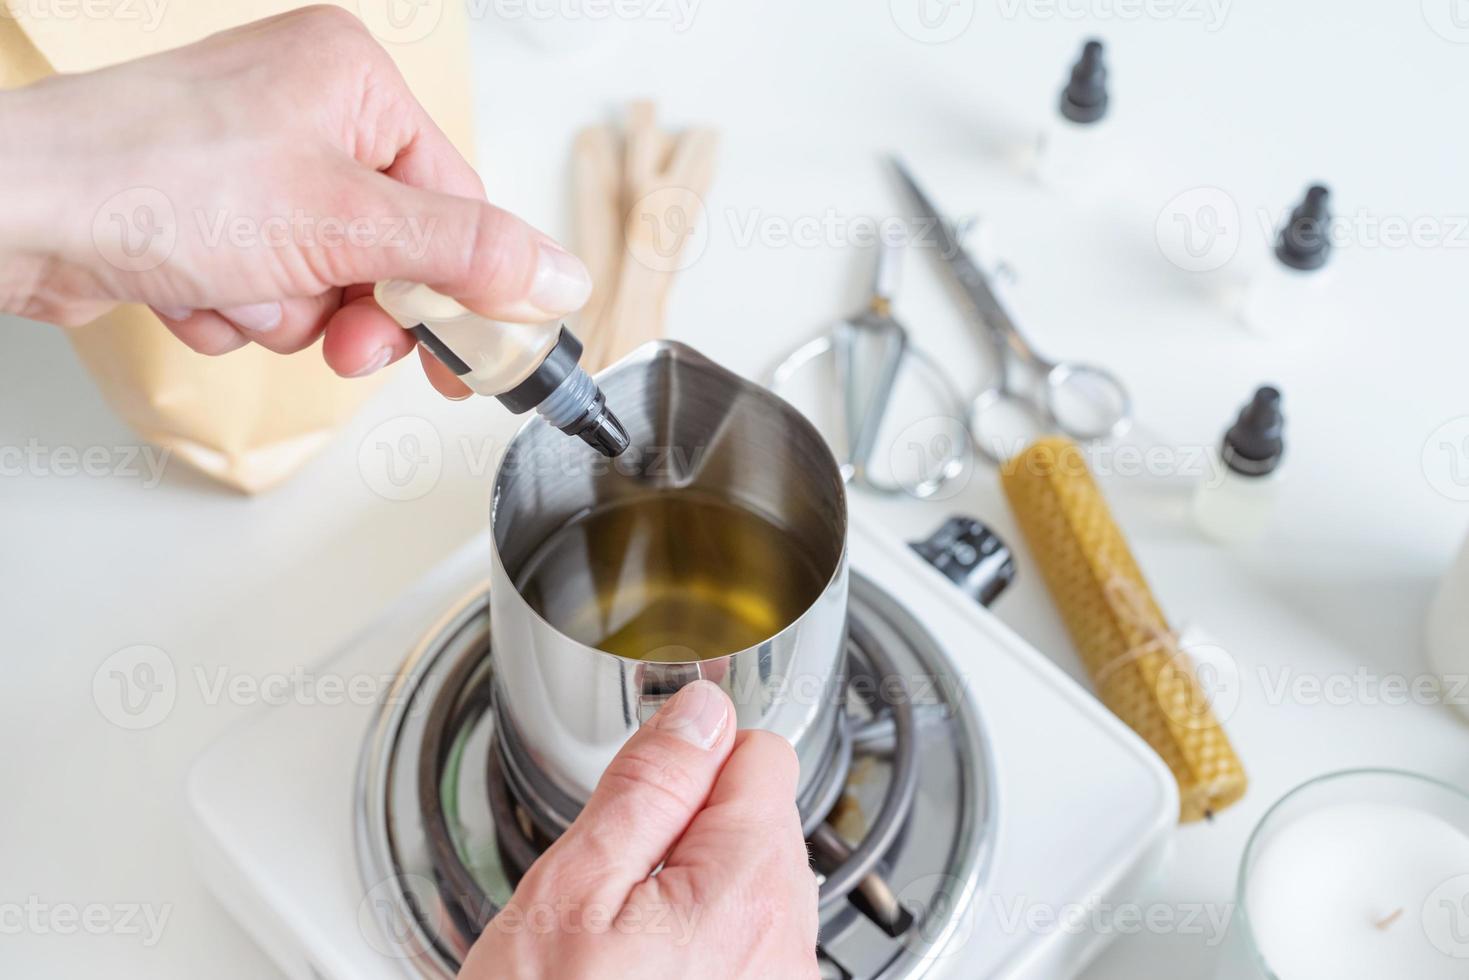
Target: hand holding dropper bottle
<point>524,365</point>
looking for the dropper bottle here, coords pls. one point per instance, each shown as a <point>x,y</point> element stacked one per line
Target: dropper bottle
<point>525,365</point>
<point>1066,155</point>
<point>1236,505</point>
<point>1285,295</point>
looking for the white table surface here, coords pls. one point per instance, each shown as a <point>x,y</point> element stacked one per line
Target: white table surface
<point>1364,96</point>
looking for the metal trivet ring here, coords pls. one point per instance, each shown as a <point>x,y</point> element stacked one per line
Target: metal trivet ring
<point>472,908</point>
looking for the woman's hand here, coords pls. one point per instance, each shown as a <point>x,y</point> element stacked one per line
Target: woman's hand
<point>253,187</point>
<point>734,896</point>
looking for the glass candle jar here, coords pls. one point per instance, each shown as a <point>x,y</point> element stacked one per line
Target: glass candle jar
<point>1357,874</point>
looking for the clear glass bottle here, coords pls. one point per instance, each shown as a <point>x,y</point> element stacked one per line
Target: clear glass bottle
<point>1238,504</point>
<point>524,365</point>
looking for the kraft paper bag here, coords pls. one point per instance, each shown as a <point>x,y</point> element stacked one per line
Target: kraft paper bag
<point>250,418</point>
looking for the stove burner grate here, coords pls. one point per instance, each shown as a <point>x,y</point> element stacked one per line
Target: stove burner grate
<point>441,817</point>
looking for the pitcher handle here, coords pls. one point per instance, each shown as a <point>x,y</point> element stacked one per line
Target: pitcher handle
<point>659,682</point>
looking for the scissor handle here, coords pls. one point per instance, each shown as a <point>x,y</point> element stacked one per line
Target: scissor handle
<point>886,273</point>
<point>1108,395</point>
<point>985,408</point>
<point>1044,415</point>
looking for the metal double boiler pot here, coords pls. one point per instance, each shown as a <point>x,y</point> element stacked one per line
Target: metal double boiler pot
<point>565,708</point>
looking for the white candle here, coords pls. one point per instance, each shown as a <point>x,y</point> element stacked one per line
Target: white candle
<point>1362,891</point>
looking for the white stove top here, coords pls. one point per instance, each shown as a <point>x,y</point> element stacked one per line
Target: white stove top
<point>1084,810</point>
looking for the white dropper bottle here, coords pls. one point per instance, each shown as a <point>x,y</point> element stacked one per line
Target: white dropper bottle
<point>1237,506</point>
<point>525,365</point>
<point>1066,151</point>
<point>1286,294</point>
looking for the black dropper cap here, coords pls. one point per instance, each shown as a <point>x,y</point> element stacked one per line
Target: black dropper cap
<point>1304,241</point>
<point>1084,99</point>
<point>601,429</point>
<point>1253,445</point>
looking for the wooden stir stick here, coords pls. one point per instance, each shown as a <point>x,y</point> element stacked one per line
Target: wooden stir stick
<point>659,196</point>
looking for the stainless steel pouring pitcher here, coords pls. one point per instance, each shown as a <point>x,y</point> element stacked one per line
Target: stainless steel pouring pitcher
<point>565,708</point>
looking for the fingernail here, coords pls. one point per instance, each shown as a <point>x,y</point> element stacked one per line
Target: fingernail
<point>697,714</point>
<point>377,363</point>
<point>174,312</point>
<point>562,284</point>
<point>259,317</point>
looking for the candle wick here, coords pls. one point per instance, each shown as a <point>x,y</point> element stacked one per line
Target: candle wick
<point>1389,920</point>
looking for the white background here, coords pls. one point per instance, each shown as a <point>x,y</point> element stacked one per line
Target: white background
<point>1365,96</point>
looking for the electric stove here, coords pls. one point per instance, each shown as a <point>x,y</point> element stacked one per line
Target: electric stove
<point>984,801</point>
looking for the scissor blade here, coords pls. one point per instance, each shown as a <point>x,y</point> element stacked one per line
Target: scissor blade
<point>964,268</point>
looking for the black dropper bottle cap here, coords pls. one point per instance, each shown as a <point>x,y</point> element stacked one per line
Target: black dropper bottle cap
<point>1253,445</point>
<point>1304,242</point>
<point>1084,99</point>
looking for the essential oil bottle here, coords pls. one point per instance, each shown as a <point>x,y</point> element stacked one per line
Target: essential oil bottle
<point>1066,152</point>
<point>524,365</point>
<point>1236,504</point>
<point>1286,294</point>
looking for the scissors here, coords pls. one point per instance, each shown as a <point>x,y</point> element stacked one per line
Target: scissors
<point>869,350</point>
<point>1079,400</point>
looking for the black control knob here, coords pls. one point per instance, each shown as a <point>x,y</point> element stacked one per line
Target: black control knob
<point>971,556</point>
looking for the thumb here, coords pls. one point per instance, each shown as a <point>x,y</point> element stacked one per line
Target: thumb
<point>481,255</point>
<point>750,814</point>
<point>646,798</point>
